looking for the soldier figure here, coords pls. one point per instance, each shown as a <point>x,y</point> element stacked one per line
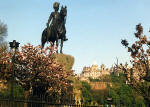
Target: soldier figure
<point>55,20</point>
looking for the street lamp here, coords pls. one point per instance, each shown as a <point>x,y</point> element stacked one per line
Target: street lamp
<point>14,46</point>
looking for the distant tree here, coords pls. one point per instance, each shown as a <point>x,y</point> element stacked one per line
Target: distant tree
<point>98,96</point>
<point>140,53</point>
<point>123,93</point>
<point>115,96</point>
<point>3,31</point>
<point>120,79</point>
<point>86,93</point>
<point>3,35</point>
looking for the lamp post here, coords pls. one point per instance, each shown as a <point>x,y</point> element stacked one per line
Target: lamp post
<point>14,46</point>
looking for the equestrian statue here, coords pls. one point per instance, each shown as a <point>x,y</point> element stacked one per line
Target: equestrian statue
<point>57,29</point>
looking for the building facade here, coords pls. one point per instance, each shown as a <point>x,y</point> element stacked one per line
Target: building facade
<point>94,72</point>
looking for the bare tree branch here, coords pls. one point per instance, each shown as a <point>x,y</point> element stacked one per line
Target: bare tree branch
<point>3,31</point>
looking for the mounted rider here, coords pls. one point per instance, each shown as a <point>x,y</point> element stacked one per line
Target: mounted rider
<point>54,16</point>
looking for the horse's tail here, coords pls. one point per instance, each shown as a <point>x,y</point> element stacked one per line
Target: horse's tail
<point>44,37</point>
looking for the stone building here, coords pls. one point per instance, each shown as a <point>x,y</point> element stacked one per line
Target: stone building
<point>94,72</point>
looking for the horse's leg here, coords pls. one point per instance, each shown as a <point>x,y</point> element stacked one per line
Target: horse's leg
<point>57,43</point>
<point>61,45</point>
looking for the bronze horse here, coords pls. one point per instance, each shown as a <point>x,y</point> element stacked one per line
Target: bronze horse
<point>52,36</point>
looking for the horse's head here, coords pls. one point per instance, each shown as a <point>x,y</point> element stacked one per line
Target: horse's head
<point>63,11</point>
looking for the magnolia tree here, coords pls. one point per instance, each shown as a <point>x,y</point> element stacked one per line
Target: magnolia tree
<point>35,69</point>
<point>140,53</point>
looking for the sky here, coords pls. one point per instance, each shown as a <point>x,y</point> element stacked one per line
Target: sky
<point>94,27</point>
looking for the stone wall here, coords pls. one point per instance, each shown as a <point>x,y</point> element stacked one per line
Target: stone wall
<point>99,85</point>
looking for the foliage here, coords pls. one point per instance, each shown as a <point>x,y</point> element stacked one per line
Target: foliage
<point>104,78</point>
<point>140,53</point>
<point>3,47</point>
<point>139,101</point>
<point>126,95</point>
<point>66,60</point>
<point>120,79</point>
<point>98,96</point>
<point>115,97</point>
<point>36,69</point>
<point>122,93</point>
<point>86,93</point>
<point>93,80</point>
<point>18,90</point>
<point>86,85</point>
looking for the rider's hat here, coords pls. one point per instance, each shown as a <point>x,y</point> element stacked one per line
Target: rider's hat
<point>56,5</point>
